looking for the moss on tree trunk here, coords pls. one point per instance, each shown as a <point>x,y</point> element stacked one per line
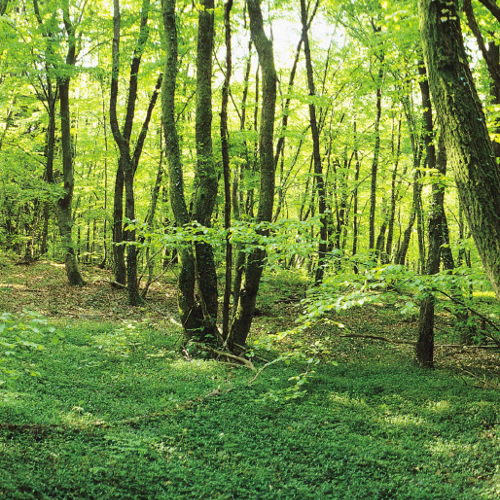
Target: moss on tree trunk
<point>467,141</point>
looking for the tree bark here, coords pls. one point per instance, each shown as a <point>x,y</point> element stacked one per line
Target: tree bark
<point>375,161</point>
<point>224,132</point>
<point>425,342</point>
<point>128,160</point>
<point>394,196</point>
<point>318,168</point>
<point>3,6</point>
<point>466,136</point>
<point>255,262</point>
<point>197,285</point>
<point>63,205</point>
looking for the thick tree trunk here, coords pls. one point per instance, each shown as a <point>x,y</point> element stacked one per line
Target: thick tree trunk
<point>255,262</point>
<point>466,136</point>
<point>206,179</point>
<point>119,267</point>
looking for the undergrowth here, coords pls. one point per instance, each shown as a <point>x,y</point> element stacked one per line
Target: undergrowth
<point>116,412</point>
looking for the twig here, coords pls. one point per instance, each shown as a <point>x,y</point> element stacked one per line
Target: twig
<point>412,342</point>
<point>473,375</point>
<point>262,368</point>
<point>115,284</point>
<point>460,346</point>
<point>476,313</point>
<point>376,337</point>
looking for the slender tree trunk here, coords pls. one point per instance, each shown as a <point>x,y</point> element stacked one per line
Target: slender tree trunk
<point>50,136</point>
<point>393,197</point>
<point>466,136</point>
<point>255,262</point>
<point>128,160</point>
<point>237,199</point>
<point>224,132</point>
<point>376,154</point>
<point>103,262</point>
<point>63,205</point>
<point>405,243</point>
<point>355,196</point>
<point>318,168</point>
<point>425,342</point>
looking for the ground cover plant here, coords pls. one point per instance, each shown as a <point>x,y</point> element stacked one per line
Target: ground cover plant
<point>110,408</point>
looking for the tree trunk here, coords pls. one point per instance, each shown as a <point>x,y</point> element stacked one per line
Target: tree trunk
<point>206,179</point>
<point>197,286</point>
<point>120,269</point>
<point>355,198</point>
<point>318,168</point>
<point>425,342</point>
<point>392,206</point>
<point>466,136</point>
<point>255,262</point>
<point>63,205</point>
<point>3,6</point>
<point>128,161</point>
<point>224,132</point>
<point>376,154</point>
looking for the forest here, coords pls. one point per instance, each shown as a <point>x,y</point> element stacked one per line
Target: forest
<point>249,249</point>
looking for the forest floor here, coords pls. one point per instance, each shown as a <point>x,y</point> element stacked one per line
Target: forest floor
<point>109,408</point>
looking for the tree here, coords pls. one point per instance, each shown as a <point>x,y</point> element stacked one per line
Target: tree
<point>466,136</point>
<point>318,167</point>
<point>128,159</point>
<point>197,294</point>
<point>63,70</point>
<point>256,258</point>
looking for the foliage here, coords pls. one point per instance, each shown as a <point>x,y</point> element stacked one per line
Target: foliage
<point>27,331</point>
<point>155,425</point>
<point>392,285</point>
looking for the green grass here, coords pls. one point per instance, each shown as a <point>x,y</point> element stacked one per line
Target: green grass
<point>116,413</point>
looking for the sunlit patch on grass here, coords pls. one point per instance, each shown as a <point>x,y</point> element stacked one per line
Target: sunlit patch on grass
<point>438,406</point>
<point>78,417</point>
<point>121,341</point>
<point>404,420</point>
<point>447,447</point>
<point>9,286</point>
<point>194,366</point>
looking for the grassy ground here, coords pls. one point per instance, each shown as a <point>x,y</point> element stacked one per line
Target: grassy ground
<point>116,412</point>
